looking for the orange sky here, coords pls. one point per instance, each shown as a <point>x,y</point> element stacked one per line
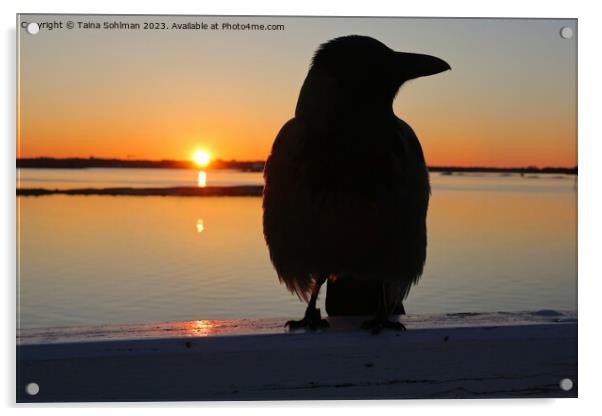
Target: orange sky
<point>510,99</point>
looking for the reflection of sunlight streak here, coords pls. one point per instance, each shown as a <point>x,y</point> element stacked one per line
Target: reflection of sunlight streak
<point>202,179</point>
<point>201,328</point>
<point>200,225</point>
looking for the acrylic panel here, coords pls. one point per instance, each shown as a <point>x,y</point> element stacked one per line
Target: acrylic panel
<point>295,208</point>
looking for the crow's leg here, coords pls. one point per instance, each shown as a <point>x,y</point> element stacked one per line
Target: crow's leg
<point>312,319</point>
<point>381,318</point>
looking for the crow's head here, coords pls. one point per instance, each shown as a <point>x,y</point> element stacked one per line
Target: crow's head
<point>366,69</point>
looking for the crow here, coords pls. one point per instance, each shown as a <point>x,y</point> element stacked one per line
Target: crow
<point>346,184</point>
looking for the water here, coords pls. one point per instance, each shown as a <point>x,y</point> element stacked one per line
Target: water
<point>132,178</point>
<point>496,243</point>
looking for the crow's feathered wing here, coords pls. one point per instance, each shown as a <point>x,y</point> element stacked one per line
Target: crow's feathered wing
<point>348,199</point>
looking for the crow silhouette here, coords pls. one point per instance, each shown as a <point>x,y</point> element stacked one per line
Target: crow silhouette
<point>346,184</point>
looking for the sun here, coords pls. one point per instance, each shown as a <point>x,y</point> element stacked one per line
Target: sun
<point>201,158</point>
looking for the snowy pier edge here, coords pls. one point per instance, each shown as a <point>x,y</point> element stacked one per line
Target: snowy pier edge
<point>462,355</point>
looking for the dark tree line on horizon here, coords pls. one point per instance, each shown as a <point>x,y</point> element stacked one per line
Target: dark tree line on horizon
<point>253,166</point>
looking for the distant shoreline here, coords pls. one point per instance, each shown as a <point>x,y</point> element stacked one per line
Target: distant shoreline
<point>245,166</point>
<point>245,190</point>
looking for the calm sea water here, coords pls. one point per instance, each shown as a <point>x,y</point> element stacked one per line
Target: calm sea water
<point>496,243</point>
<point>132,178</point>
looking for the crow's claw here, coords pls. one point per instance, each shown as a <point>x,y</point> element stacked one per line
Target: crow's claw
<point>312,320</point>
<point>306,323</point>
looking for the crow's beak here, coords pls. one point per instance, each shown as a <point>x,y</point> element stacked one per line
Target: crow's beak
<point>415,65</point>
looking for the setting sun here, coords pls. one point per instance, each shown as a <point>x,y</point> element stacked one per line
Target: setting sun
<point>201,158</point>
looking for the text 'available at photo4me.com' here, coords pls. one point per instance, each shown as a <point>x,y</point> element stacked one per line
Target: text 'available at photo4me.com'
<point>75,24</point>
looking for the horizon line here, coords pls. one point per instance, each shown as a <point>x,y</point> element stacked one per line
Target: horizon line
<point>257,161</point>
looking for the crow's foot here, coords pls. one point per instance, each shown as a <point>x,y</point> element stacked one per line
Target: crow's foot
<point>312,320</point>
<point>376,325</point>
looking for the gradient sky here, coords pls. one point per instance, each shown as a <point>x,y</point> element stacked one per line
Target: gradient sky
<point>510,99</point>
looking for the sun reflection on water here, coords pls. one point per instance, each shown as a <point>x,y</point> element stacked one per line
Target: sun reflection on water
<point>201,328</point>
<point>200,225</point>
<point>202,179</point>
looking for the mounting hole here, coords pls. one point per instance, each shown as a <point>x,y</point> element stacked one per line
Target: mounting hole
<point>33,28</point>
<point>32,389</point>
<point>566,384</point>
<point>566,32</point>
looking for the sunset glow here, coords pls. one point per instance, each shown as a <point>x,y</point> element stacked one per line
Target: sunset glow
<point>501,105</point>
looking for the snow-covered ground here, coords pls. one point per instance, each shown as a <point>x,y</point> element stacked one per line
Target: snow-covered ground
<point>524,354</point>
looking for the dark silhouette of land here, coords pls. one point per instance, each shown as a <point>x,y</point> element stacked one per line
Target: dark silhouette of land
<point>247,166</point>
<point>486,169</point>
<point>93,162</point>
<point>246,190</point>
